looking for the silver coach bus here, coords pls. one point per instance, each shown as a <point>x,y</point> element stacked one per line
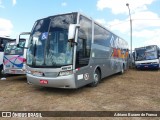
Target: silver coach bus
<point>72,50</point>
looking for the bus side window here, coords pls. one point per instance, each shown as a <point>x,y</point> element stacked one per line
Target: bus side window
<point>84,42</point>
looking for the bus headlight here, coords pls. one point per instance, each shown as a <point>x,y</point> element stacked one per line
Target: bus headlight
<point>65,73</point>
<point>35,73</point>
<point>154,63</point>
<point>28,71</point>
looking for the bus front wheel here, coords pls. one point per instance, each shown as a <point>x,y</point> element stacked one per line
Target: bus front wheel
<point>96,77</point>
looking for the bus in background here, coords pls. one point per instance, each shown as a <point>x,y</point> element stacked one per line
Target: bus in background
<point>15,57</point>
<point>3,42</point>
<point>72,50</point>
<point>147,57</point>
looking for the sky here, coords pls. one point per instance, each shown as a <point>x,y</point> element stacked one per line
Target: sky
<point>19,16</point>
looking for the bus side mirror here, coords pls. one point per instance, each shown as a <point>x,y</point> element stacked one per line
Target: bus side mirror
<point>72,32</point>
<point>19,37</point>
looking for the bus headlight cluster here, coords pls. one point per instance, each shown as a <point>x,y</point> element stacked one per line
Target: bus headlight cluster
<point>28,71</point>
<point>35,73</point>
<point>154,63</point>
<point>65,73</point>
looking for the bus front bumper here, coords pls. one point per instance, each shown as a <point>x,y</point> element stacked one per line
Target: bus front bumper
<point>57,82</point>
<point>14,71</point>
<point>148,66</point>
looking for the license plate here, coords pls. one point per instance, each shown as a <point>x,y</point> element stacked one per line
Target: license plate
<point>145,66</point>
<point>43,81</point>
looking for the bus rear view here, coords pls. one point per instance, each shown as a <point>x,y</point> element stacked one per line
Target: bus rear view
<point>14,58</point>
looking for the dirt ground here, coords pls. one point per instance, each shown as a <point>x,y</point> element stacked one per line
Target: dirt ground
<point>132,91</point>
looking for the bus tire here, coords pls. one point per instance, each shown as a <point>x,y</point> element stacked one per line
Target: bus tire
<point>96,77</point>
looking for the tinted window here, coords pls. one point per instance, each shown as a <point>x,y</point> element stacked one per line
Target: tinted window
<point>84,42</point>
<point>101,36</point>
<point>3,42</point>
<point>12,49</point>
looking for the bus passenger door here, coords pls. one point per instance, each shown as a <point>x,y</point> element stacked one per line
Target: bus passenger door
<point>84,72</point>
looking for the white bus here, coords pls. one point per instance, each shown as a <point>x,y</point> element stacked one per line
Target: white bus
<point>147,57</point>
<point>15,57</point>
<point>72,50</point>
<point>3,41</point>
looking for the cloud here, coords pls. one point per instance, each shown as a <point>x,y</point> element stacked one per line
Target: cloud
<point>140,21</point>
<point>5,27</point>
<point>121,26</point>
<point>149,37</point>
<point>145,28</point>
<point>154,41</point>
<point>14,2</point>
<point>145,19</point>
<point>63,4</point>
<point>119,6</point>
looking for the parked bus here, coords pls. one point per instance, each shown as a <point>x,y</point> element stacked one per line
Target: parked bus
<point>3,41</point>
<point>147,57</point>
<point>15,57</point>
<point>72,50</point>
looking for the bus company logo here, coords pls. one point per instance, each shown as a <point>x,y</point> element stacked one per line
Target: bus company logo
<point>86,76</point>
<point>6,114</point>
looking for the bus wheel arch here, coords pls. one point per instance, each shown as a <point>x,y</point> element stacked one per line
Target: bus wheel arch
<point>96,77</point>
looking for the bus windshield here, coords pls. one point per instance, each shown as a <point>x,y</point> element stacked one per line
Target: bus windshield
<point>146,53</point>
<point>48,45</point>
<point>12,49</point>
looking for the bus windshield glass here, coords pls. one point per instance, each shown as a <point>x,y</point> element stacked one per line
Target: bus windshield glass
<point>12,49</point>
<point>49,46</point>
<point>146,53</point>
